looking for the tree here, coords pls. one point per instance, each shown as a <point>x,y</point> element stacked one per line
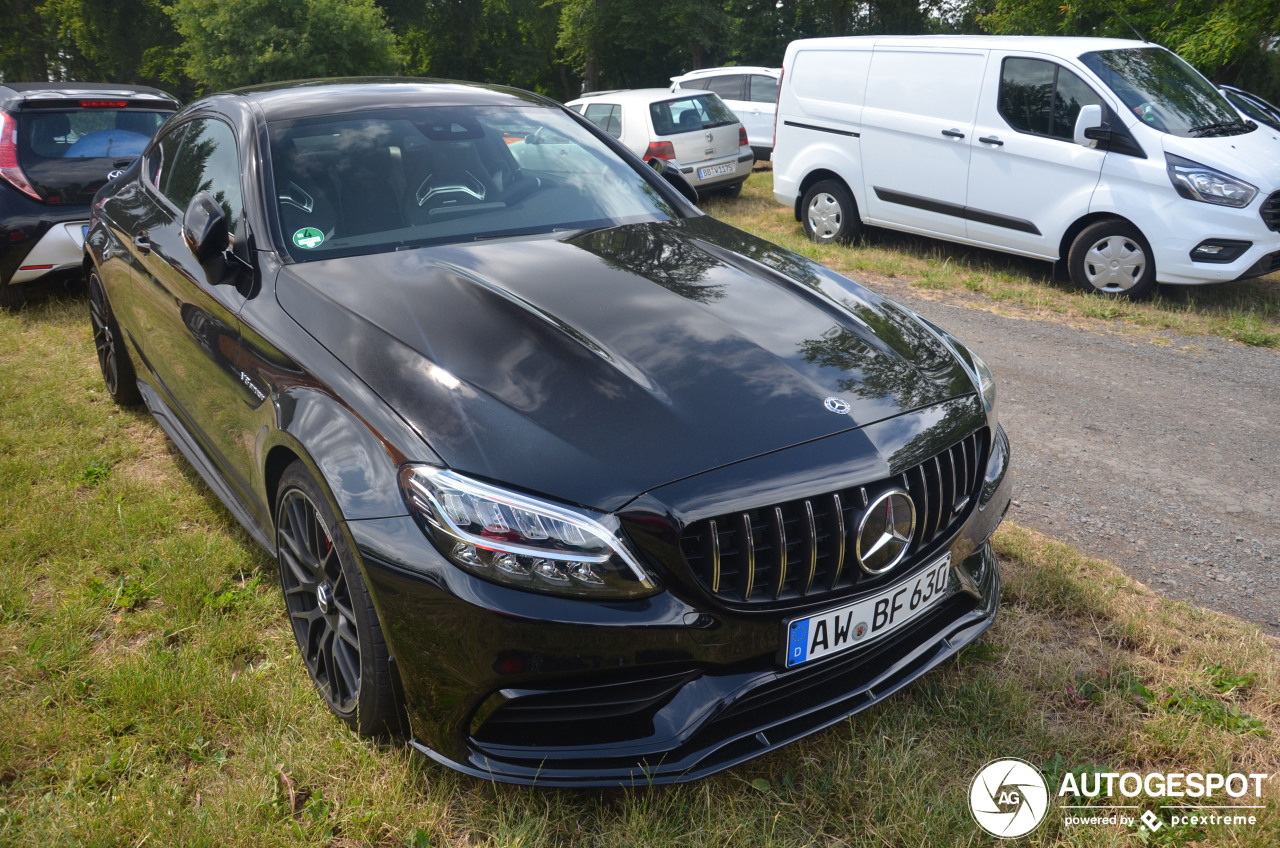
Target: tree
<point>230,43</point>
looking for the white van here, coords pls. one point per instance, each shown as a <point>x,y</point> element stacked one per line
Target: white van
<point>1115,156</point>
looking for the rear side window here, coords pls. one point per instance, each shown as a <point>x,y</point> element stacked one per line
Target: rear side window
<point>206,160</point>
<point>1042,98</point>
<point>763,89</point>
<point>606,116</point>
<point>85,133</point>
<point>726,86</point>
<point>689,114</point>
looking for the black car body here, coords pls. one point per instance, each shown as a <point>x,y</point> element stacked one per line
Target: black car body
<point>595,477</point>
<point>59,143</point>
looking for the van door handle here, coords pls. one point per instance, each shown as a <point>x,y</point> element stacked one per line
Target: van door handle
<point>143,243</point>
<point>990,139</point>
<point>953,133</point>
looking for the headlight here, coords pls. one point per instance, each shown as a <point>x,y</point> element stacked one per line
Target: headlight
<point>520,541</point>
<point>986,380</point>
<point>1200,182</point>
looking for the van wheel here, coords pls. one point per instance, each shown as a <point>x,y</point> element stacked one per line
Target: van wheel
<point>829,213</point>
<point>1112,258</point>
<point>329,607</point>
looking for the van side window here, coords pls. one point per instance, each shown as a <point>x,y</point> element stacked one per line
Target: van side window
<point>763,89</point>
<point>1042,98</point>
<point>606,116</point>
<point>728,86</point>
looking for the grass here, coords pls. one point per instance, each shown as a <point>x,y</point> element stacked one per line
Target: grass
<point>1247,312</point>
<point>153,694</point>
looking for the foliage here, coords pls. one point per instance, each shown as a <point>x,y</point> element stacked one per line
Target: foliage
<point>288,39</point>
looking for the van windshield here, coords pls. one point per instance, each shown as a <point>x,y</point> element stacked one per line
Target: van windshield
<point>1166,92</point>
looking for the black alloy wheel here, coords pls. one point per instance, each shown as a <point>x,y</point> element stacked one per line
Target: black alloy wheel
<point>330,610</point>
<point>117,369</point>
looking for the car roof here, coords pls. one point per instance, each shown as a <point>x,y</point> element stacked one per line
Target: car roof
<point>305,98</point>
<point>1049,44</point>
<point>728,69</point>
<point>638,95</point>
<point>16,92</point>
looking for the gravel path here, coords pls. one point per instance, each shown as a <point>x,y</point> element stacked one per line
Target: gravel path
<point>1161,457</point>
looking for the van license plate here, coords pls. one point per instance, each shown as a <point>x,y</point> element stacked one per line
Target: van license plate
<point>852,625</point>
<point>715,171</point>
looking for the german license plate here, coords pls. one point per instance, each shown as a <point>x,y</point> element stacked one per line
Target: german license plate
<point>715,171</point>
<point>838,630</point>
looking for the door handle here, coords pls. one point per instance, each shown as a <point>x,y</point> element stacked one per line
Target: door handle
<point>990,139</point>
<point>143,243</point>
<point>953,133</point>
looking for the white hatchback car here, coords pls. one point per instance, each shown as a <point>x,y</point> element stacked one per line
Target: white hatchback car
<point>752,94</point>
<point>692,130</point>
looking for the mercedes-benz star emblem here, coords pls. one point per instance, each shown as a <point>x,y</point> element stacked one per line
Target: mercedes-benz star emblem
<point>885,531</point>
<point>839,406</point>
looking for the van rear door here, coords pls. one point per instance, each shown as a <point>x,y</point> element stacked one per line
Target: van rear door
<point>917,125</point>
<point>1028,179</point>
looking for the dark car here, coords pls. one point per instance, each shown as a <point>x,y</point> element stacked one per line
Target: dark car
<point>566,480</point>
<point>1252,105</point>
<point>59,144</point>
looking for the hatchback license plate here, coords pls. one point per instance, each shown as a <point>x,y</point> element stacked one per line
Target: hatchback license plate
<point>715,171</point>
<point>838,630</point>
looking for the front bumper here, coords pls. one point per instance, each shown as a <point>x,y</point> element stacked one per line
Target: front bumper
<point>524,688</point>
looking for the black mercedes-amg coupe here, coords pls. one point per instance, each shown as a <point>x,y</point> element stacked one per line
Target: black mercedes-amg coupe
<point>567,481</point>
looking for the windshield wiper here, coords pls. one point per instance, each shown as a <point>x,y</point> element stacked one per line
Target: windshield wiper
<point>1220,128</point>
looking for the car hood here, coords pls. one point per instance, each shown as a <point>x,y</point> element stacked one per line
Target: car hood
<point>595,366</point>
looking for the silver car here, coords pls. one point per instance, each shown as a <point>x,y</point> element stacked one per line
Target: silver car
<point>752,94</point>
<point>693,131</point>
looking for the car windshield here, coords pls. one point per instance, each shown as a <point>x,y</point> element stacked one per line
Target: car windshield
<point>1166,92</point>
<point>384,180</point>
<point>690,114</point>
<point>1254,106</point>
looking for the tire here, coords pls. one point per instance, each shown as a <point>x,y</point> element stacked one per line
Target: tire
<point>12,296</point>
<point>113,358</point>
<point>829,213</point>
<point>1112,258</point>
<point>329,608</point>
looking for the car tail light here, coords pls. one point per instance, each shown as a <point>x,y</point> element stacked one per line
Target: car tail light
<point>10,170</point>
<point>742,136</point>
<point>660,150</point>
<point>104,104</point>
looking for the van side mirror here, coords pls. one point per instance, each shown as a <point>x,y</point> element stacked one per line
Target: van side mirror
<point>204,228</point>
<point>1089,119</point>
<point>677,180</point>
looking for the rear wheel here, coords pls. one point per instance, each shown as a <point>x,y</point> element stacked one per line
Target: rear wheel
<point>12,295</point>
<point>1112,258</point>
<point>829,212</point>
<point>113,359</point>
<point>330,610</point>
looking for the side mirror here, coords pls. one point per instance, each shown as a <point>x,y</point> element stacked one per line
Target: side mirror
<point>204,228</point>
<point>1089,119</point>
<point>672,175</point>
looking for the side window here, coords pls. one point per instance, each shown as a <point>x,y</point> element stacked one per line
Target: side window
<point>729,86</point>
<point>206,160</point>
<point>1042,98</point>
<point>162,153</point>
<point>606,116</point>
<point>763,89</point>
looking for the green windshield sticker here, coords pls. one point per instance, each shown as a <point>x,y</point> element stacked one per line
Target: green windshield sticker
<point>308,237</point>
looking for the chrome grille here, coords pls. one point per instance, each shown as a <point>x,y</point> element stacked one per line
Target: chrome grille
<point>1271,212</point>
<point>804,549</point>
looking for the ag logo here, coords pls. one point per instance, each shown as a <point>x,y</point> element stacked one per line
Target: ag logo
<point>1009,798</point>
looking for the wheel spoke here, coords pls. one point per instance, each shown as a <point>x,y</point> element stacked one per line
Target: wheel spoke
<point>347,664</point>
